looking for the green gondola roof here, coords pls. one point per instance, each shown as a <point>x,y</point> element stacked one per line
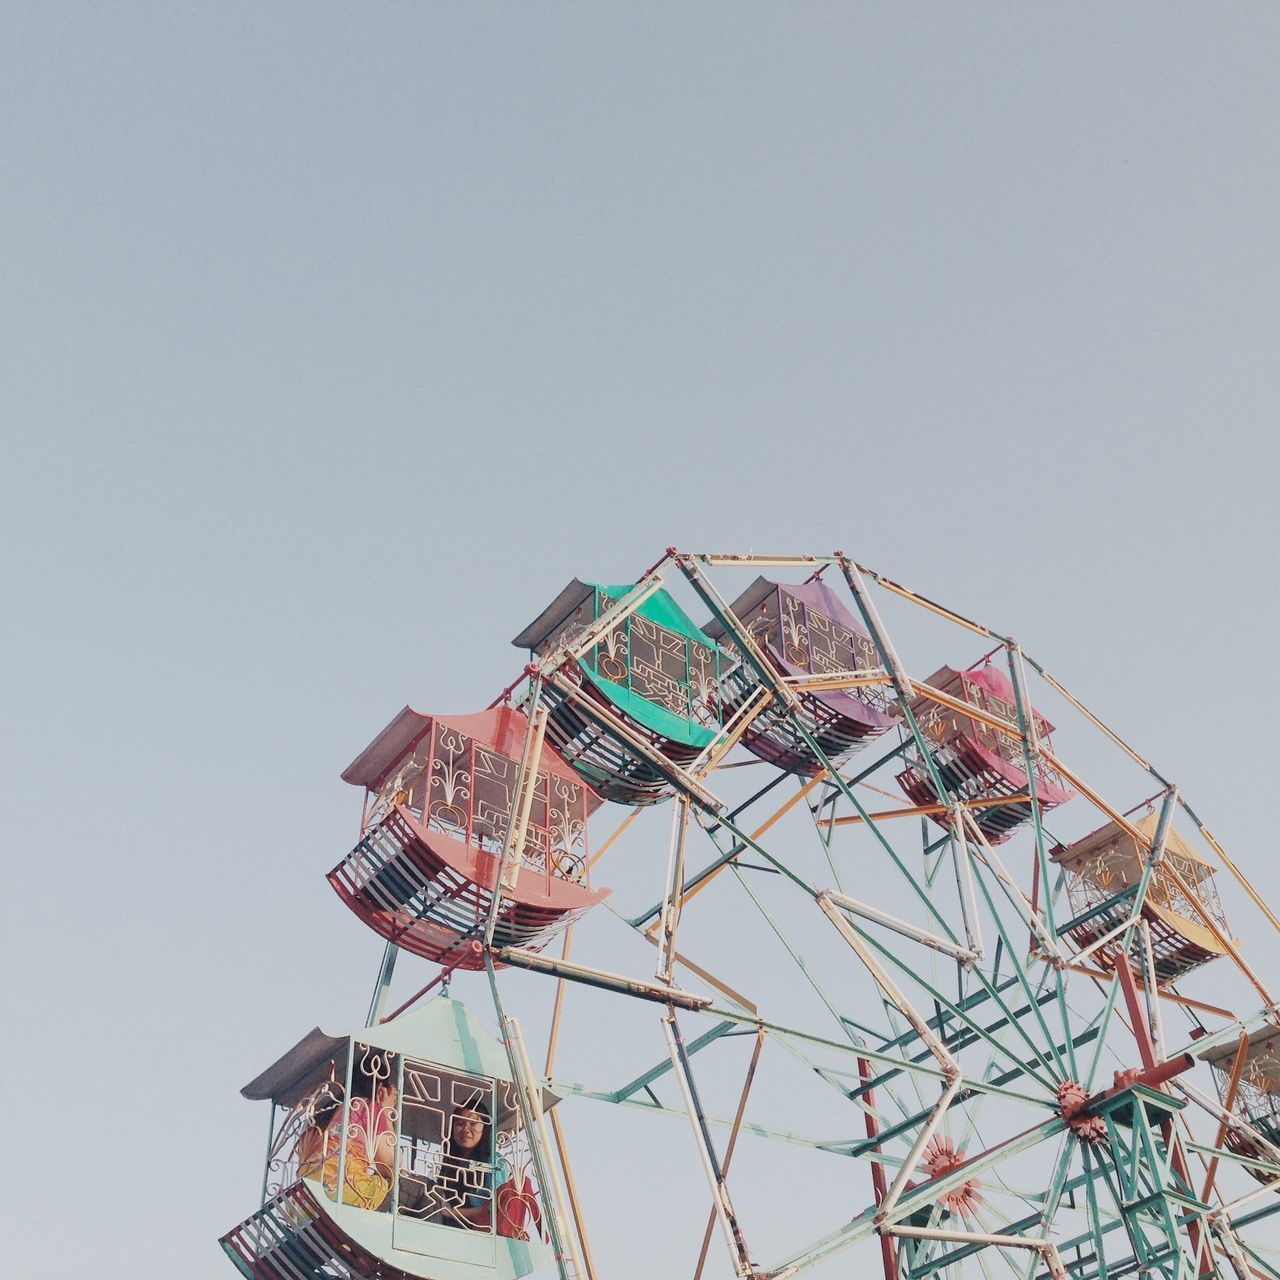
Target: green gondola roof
<point>659,607</point>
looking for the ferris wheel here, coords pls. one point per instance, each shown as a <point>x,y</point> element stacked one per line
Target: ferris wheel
<point>997,955</point>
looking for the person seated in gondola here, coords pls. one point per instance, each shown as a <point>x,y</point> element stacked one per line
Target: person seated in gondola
<point>466,1179</point>
<point>320,1134</point>
<point>370,1134</point>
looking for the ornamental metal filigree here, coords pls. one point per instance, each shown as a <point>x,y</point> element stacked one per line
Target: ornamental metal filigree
<point>473,796</point>
<point>450,780</point>
<point>309,1134</point>
<point>612,654</point>
<point>795,633</point>
<point>662,666</point>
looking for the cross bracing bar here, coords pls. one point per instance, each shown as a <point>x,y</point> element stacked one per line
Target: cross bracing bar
<point>695,882</point>
<point>931,605</point>
<point>729,733</point>
<point>722,1205</point>
<point>1044,1248</point>
<point>1079,1040</point>
<point>1067,1066</point>
<point>983,850</point>
<point>866,771</point>
<point>673,898</point>
<point>783,1032</point>
<point>848,930</point>
<point>732,1146</point>
<point>961,1040</point>
<point>941,1261</point>
<point>1125,895</point>
<point>1232,1031</point>
<point>963,954</point>
<point>865,1224</point>
<point>926,810</point>
<point>725,560</point>
<point>660,1069</point>
<point>861,1146</point>
<point>1245,1162</point>
<point>857,940</point>
<point>1257,1216</point>
<point>512,856</point>
<point>659,992</point>
<point>830,680</point>
<point>1029,740</point>
<point>1228,1104</point>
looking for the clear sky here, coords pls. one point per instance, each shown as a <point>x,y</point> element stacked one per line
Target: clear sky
<point>336,338</point>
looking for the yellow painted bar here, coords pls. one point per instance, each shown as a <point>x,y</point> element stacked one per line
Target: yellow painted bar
<point>928,810</point>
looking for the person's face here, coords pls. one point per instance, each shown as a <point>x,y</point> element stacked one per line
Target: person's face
<point>468,1129</point>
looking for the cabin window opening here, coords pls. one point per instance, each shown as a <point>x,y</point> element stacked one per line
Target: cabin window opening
<point>464,1160</point>
<point>446,1165</point>
<point>329,1138</point>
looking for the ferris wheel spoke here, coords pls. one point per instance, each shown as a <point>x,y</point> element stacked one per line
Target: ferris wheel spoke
<point>1065,1066</point>
<point>862,943</point>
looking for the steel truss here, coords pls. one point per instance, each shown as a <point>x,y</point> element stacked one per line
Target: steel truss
<point>974,1071</point>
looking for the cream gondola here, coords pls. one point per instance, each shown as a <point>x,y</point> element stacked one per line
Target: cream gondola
<point>1103,871</point>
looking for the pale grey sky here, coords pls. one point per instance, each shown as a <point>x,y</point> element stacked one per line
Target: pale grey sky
<point>337,337</point>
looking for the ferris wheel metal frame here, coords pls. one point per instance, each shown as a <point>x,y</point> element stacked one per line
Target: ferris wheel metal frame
<point>979,968</point>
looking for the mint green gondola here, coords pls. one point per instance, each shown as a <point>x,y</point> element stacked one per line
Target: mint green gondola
<point>384,1112</point>
<point>655,679</point>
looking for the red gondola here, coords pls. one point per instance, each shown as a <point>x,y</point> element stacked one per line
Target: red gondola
<point>974,760</point>
<point>440,792</point>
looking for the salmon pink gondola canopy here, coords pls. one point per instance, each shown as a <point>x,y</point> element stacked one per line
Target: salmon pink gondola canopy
<point>441,791</point>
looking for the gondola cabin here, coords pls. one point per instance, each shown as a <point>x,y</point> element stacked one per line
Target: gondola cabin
<point>403,1152</point>
<point>654,678</point>
<point>805,630</point>
<point>1103,871</point>
<point>978,763</point>
<point>1255,1098</point>
<point>439,795</point>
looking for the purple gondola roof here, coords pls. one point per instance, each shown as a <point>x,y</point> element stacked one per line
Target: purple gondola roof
<point>818,597</point>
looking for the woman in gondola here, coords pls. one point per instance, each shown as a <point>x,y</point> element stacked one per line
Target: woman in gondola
<point>465,1182</point>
